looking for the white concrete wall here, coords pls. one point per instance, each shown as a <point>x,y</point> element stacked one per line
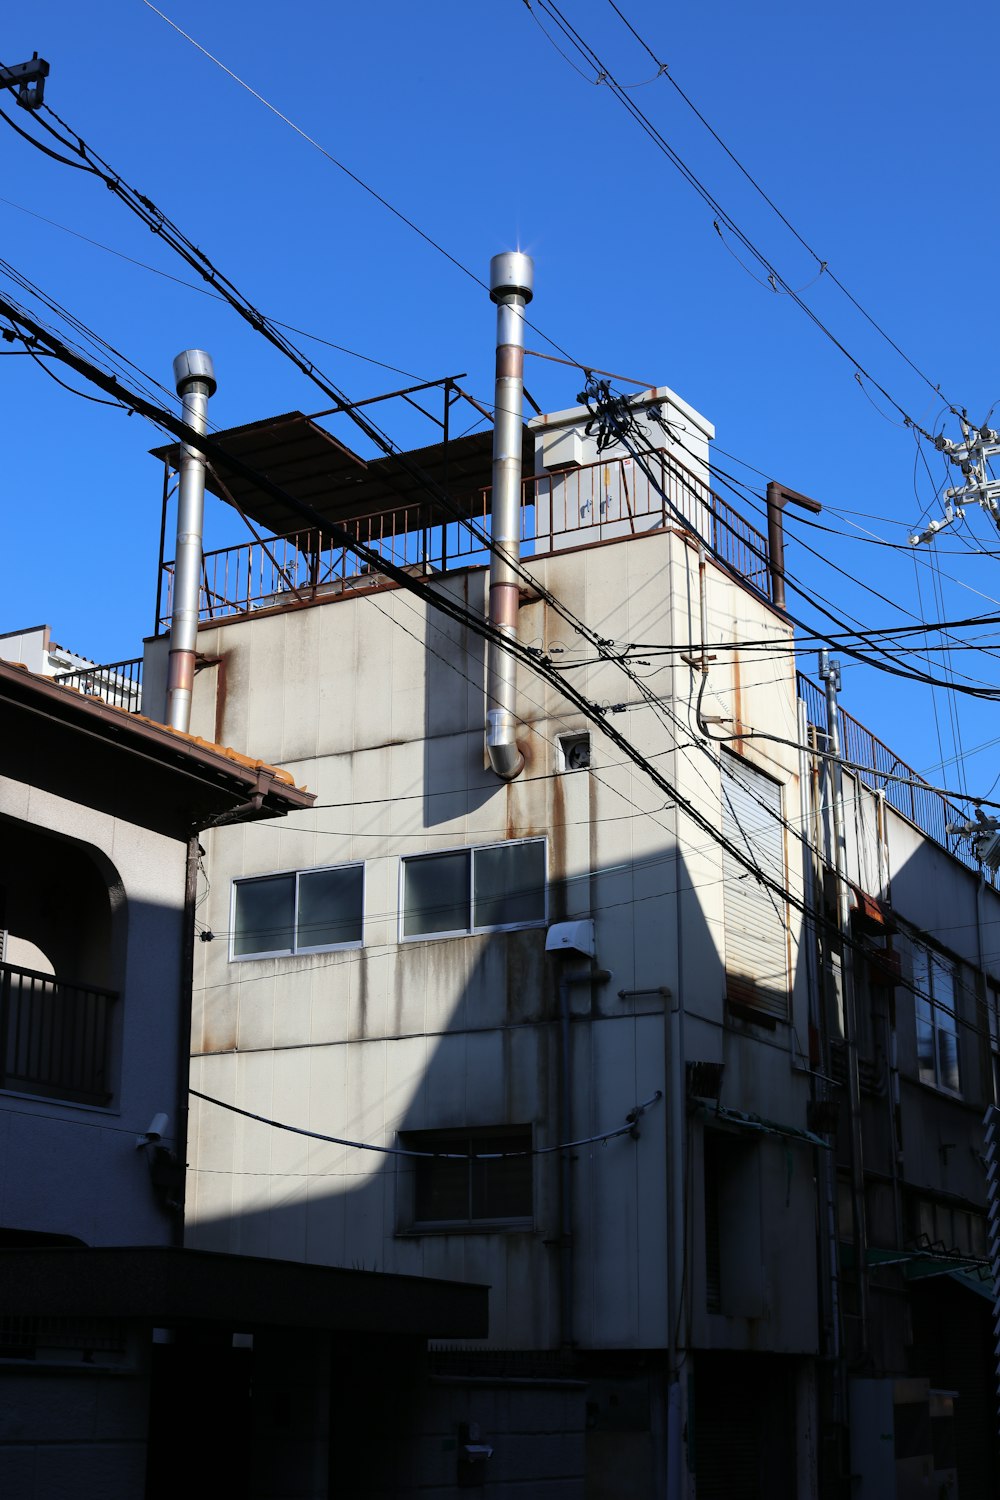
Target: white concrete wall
<point>74,1169</point>
<point>591,496</point>
<point>378,708</point>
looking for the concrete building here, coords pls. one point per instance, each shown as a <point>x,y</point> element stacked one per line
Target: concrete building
<point>432,961</point>
<point>579,1038</point>
<point>122,1355</point>
<point>916,1326</point>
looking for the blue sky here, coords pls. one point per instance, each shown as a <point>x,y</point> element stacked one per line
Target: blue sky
<point>868,125</point>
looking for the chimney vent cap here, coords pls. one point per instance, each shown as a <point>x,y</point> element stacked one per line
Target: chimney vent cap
<point>194,364</point>
<point>512,274</point>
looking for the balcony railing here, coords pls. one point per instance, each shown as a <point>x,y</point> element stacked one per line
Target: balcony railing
<point>598,502</point>
<point>119,683</point>
<point>928,809</point>
<point>55,1037</point>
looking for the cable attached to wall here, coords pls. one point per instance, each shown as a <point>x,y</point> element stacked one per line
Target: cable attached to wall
<point>630,1128</point>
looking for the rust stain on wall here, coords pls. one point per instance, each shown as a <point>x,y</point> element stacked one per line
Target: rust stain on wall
<point>220,701</point>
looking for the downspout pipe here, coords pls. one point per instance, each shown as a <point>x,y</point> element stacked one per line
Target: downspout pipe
<point>829,672</point>
<point>567,1296</point>
<point>512,277</point>
<point>184,1020</point>
<point>194,375</point>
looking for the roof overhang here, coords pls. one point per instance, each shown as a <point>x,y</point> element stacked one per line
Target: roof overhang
<point>80,747</point>
<point>167,1286</point>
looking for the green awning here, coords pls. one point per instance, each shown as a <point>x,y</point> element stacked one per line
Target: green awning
<point>742,1121</point>
<point>919,1265</point>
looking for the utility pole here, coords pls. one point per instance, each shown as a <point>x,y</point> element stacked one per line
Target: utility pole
<point>29,80</point>
<point>972,456</point>
<point>829,672</point>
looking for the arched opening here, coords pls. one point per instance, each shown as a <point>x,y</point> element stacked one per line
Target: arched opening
<point>60,971</point>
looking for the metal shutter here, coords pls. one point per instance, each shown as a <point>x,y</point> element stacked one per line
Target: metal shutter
<point>756,917</point>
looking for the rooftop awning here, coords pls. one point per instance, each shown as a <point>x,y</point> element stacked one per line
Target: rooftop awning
<point>300,456</point>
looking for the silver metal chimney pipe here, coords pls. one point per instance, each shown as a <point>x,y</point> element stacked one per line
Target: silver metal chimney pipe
<point>512,277</point>
<point>194,375</point>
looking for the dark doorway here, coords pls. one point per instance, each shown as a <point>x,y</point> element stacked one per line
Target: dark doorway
<point>200,1417</point>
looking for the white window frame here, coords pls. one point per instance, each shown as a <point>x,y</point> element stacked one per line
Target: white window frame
<point>296,951</point>
<point>931,957</point>
<point>471,931</point>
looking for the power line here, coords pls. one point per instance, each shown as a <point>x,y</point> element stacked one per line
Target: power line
<point>377,562</point>
<point>197,258</point>
<point>204,291</point>
<point>824,265</point>
<point>640,454</point>
<point>629,1128</point>
<point>605,76</point>
<point>341,166</point>
<point>311,141</point>
<point>150,214</point>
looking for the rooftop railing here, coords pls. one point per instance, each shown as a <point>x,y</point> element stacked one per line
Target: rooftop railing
<point>118,683</point>
<point>929,810</point>
<point>595,503</point>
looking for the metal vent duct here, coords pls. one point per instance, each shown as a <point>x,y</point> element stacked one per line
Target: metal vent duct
<point>194,375</point>
<point>512,277</point>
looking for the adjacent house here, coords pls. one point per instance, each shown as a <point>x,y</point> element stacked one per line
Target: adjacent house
<point>129,1365</point>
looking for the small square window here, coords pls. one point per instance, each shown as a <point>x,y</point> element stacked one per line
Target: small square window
<point>305,911</point>
<point>474,1178</point>
<point>486,889</point>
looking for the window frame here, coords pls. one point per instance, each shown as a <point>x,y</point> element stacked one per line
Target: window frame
<point>407,1191</point>
<point>936,1006</point>
<point>296,951</point>
<point>992,988</point>
<point>471,930</point>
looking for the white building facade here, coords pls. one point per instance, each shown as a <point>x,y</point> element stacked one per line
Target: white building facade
<point>389,969</point>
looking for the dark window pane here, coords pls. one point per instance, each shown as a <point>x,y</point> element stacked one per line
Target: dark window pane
<point>948,1052</point>
<point>436,894</point>
<point>441,1189</point>
<point>329,907</point>
<point>264,911</point>
<point>501,1189</point>
<point>509,884</point>
<point>925,1041</point>
<point>471,1190</point>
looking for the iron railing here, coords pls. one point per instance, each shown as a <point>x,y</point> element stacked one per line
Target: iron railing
<point>597,502</point>
<point>913,798</point>
<point>55,1036</point>
<point>119,683</point>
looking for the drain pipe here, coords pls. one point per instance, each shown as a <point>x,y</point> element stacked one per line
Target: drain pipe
<point>567,1336</point>
<point>512,276</point>
<point>194,375</point>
